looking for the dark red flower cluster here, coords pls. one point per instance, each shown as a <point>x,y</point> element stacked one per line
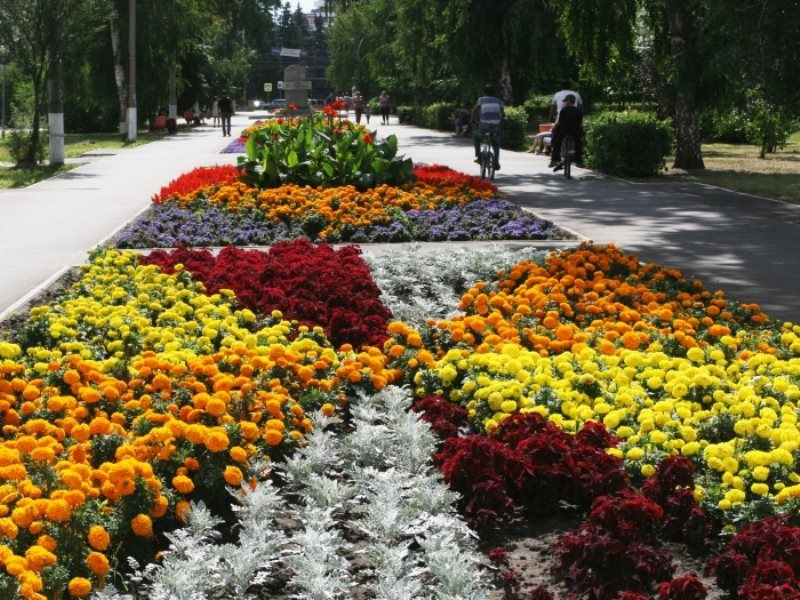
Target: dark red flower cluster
<point>441,176</point>
<point>617,550</point>
<point>762,561</point>
<point>445,418</point>
<point>672,487</point>
<point>313,284</point>
<point>197,178</point>
<point>532,464</point>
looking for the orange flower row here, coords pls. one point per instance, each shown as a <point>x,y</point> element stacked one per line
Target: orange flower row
<point>597,296</point>
<point>175,431</point>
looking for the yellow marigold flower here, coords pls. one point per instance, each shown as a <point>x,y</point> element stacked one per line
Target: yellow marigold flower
<point>787,493</point>
<point>142,525</point>
<point>233,476</point>
<point>98,537</point>
<point>761,473</point>
<point>97,563</point>
<point>80,587</point>
<point>760,489</point>
<point>508,406</point>
<point>648,470</point>
<point>691,449</point>
<point>634,454</point>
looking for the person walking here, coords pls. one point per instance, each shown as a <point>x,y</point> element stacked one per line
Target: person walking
<point>225,106</point>
<point>358,105</point>
<point>215,112</point>
<point>385,104</point>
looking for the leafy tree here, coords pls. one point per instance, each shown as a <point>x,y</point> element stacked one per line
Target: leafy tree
<point>35,34</point>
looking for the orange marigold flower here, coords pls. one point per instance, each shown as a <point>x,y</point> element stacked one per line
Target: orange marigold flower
<point>80,587</point>
<point>183,484</point>
<point>181,508</point>
<point>98,563</point>
<point>273,437</point>
<point>39,557</point>
<point>233,476</point>
<point>58,510</point>
<point>98,537</point>
<point>216,440</point>
<point>238,454</point>
<point>142,525</point>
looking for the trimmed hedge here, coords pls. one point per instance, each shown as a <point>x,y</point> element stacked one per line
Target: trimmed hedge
<point>630,143</point>
<point>439,116</point>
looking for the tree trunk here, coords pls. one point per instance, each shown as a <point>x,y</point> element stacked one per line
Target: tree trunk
<point>688,152</point>
<point>119,68</point>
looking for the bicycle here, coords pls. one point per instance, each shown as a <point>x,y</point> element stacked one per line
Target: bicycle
<point>487,158</point>
<point>569,155</point>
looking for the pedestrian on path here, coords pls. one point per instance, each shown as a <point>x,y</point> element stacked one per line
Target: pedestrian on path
<point>225,105</point>
<point>385,104</point>
<point>215,112</point>
<point>358,105</point>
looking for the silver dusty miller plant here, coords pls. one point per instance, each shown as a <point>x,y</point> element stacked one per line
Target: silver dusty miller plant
<point>417,284</point>
<point>374,482</point>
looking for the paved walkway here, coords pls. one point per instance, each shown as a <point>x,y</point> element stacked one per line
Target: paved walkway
<point>744,245</point>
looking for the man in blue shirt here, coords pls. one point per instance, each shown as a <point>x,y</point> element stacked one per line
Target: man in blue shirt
<point>489,113</point>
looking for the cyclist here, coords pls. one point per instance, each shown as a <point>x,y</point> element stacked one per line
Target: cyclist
<point>570,122</point>
<point>489,113</point>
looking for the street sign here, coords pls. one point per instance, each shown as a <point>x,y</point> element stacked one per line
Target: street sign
<point>280,85</point>
<point>267,87</point>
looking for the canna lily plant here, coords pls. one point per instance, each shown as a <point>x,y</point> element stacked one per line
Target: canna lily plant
<point>321,152</point>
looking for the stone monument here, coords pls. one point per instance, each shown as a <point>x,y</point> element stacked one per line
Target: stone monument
<point>296,87</point>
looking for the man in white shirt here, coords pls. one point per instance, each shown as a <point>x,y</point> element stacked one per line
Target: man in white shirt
<point>558,101</point>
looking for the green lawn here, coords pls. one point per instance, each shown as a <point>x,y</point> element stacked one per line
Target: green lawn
<point>738,167</point>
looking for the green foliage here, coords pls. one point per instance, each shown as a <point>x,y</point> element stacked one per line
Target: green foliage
<point>322,151</point>
<point>437,116</point>
<point>20,138</point>
<point>515,129</point>
<point>628,143</point>
<point>538,108</point>
<point>767,126</point>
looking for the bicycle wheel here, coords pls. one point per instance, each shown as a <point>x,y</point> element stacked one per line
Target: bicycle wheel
<point>484,164</point>
<point>490,162</point>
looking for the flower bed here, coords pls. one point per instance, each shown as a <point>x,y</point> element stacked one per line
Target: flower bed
<point>211,207</point>
<point>121,412</point>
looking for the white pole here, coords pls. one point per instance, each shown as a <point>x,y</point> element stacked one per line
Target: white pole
<point>3,120</point>
<point>132,126</point>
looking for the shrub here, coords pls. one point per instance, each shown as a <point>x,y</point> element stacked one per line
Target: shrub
<point>537,108</point>
<point>438,115</point>
<point>515,129</point>
<point>628,143</point>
